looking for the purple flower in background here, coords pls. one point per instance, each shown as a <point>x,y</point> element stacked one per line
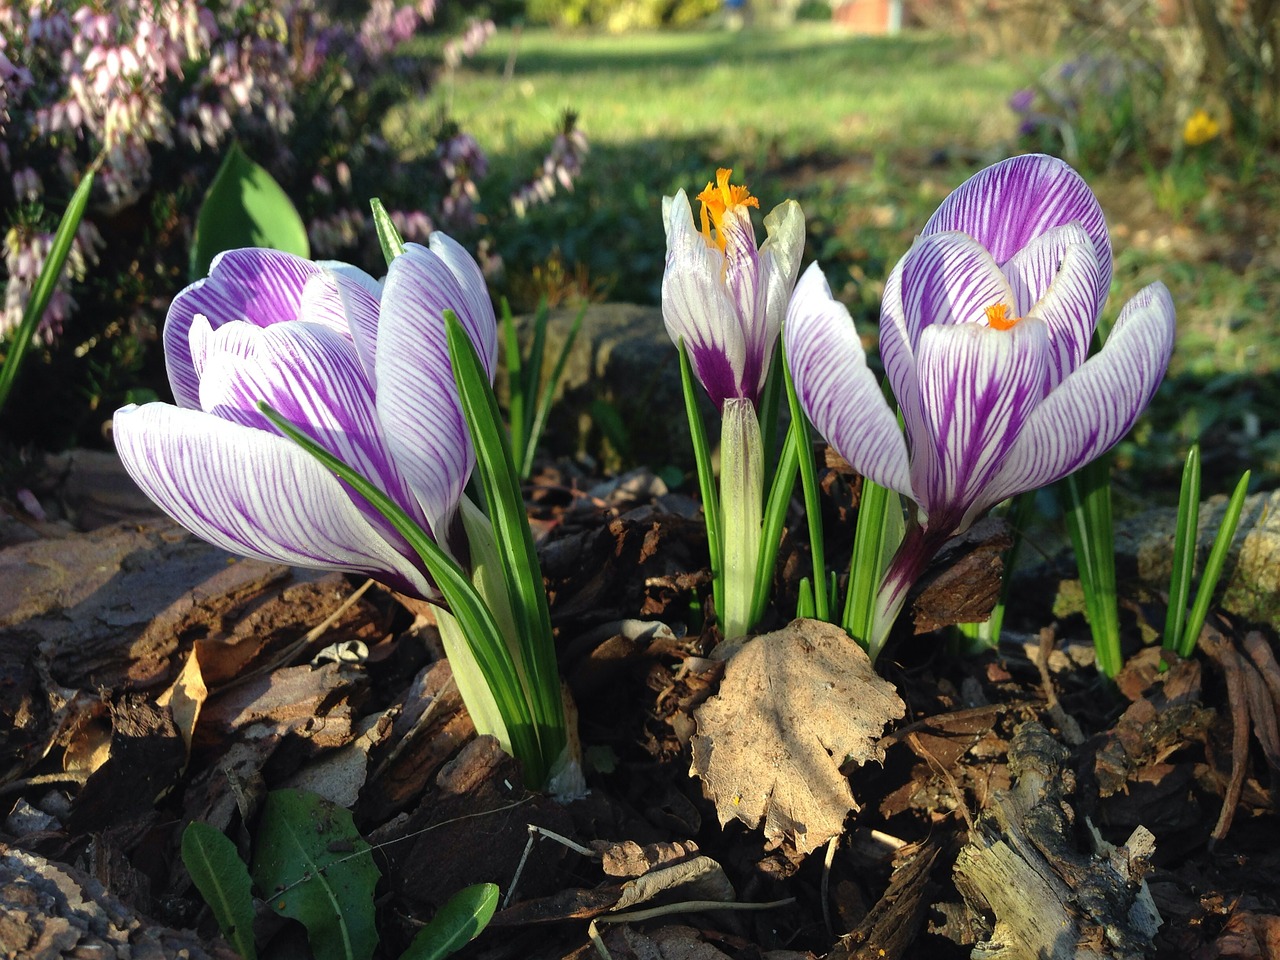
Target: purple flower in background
<point>362,367</point>
<point>721,293</point>
<point>1022,100</point>
<point>984,333</point>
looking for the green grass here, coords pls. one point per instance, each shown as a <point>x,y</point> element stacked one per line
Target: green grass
<point>869,134</point>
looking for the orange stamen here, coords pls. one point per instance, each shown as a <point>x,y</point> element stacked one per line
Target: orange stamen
<point>998,317</point>
<point>718,199</point>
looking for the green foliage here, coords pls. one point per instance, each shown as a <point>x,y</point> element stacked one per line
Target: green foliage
<point>456,923</point>
<point>310,864</point>
<point>223,880</point>
<point>1086,506</point>
<point>620,15</point>
<point>245,207</point>
<point>45,282</point>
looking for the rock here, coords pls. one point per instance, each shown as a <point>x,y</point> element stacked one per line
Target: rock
<point>620,399</point>
<point>1250,586</point>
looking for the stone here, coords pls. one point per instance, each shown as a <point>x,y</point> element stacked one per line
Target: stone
<point>1250,585</point>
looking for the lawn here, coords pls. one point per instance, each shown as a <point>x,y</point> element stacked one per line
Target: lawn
<point>868,134</point>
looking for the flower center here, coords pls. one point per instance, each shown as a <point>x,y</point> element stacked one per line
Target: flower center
<point>998,317</point>
<point>717,200</point>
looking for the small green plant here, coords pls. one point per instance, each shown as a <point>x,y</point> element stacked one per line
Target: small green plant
<point>310,864</point>
<point>531,398</point>
<point>1182,626</point>
<point>47,279</point>
<point>1086,507</point>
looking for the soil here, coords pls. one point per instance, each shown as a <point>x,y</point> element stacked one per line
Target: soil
<point>1020,806</point>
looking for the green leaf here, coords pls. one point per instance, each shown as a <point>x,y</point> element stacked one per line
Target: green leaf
<point>775,515</point>
<point>519,559</point>
<point>1184,551</point>
<point>1087,510</point>
<point>1213,566</point>
<point>548,392</point>
<point>877,536</point>
<point>812,505</point>
<point>310,864</point>
<point>245,207</point>
<point>456,924</point>
<point>518,398</point>
<point>223,880</point>
<point>479,628</point>
<point>706,478</point>
<point>45,283</point>
<point>388,236</point>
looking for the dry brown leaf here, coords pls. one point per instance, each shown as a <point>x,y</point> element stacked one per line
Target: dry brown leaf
<point>186,696</point>
<point>793,706</point>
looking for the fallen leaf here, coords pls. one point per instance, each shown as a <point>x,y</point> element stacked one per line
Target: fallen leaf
<point>794,705</point>
<point>186,696</point>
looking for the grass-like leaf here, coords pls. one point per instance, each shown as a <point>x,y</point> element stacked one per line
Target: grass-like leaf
<point>311,865</point>
<point>775,516</point>
<point>223,880</point>
<point>487,644</point>
<point>1213,566</point>
<point>1184,551</point>
<point>812,504</point>
<point>455,924</point>
<point>517,397</point>
<point>515,545</point>
<point>43,289</point>
<point>879,532</point>
<point>543,410</point>
<point>706,478</point>
<point>389,238</point>
<point>1087,511</point>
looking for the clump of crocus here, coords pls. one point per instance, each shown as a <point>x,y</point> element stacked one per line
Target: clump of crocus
<point>362,369</point>
<point>723,300</point>
<point>985,331</point>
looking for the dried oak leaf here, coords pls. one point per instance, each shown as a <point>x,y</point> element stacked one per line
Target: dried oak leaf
<point>794,705</point>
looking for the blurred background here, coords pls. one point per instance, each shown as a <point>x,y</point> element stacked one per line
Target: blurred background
<point>543,134</point>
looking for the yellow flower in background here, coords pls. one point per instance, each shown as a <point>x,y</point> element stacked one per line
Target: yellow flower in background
<point>1200,128</point>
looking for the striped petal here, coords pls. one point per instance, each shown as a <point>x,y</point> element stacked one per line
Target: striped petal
<point>978,386</point>
<point>255,494</point>
<point>837,390</point>
<point>697,308</point>
<point>1054,278</point>
<point>313,378</point>
<point>417,399</point>
<point>1006,206</point>
<point>473,306</point>
<point>948,278</point>
<point>338,300</point>
<point>1096,405</point>
<point>779,266</point>
<point>261,287</point>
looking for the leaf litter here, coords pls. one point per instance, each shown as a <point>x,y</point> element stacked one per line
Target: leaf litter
<point>149,682</point>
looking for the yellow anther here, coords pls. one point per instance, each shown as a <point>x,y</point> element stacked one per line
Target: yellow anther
<point>998,317</point>
<point>719,198</point>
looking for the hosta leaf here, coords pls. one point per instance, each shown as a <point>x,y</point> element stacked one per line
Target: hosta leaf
<point>245,207</point>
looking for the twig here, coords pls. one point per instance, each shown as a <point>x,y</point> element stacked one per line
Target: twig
<point>534,832</point>
<point>691,906</point>
<point>826,886</point>
<point>1213,644</point>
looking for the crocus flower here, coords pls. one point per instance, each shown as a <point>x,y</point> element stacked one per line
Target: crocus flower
<point>721,293</point>
<point>362,367</point>
<point>984,332</point>
<point>725,298</point>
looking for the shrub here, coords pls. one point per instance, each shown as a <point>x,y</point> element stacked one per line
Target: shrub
<point>159,88</point>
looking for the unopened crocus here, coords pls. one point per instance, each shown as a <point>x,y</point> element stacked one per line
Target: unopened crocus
<point>360,366</point>
<point>724,297</point>
<point>985,330</point>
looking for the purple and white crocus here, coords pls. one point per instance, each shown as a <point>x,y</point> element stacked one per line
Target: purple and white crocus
<point>984,333</point>
<point>725,298</point>
<point>360,366</point>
